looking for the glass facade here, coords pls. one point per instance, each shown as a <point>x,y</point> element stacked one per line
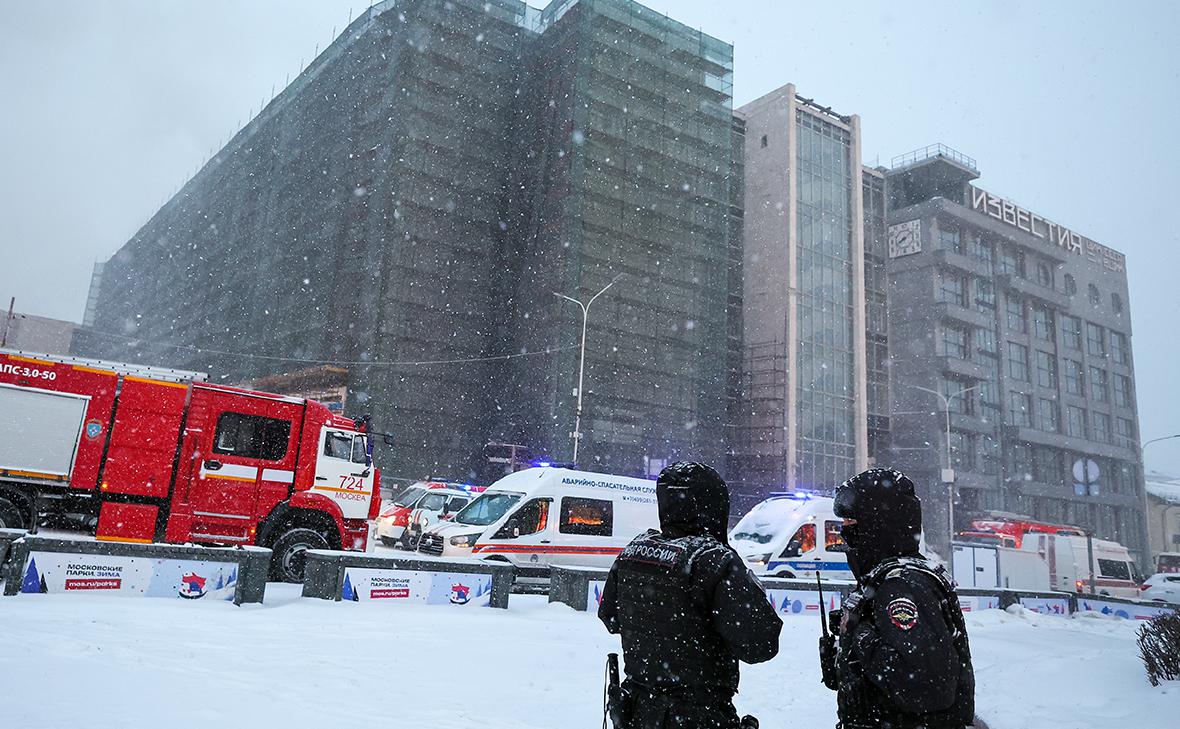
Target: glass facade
<point>824,390</point>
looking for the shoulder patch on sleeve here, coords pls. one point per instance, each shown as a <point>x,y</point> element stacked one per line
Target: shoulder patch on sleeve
<point>903,613</point>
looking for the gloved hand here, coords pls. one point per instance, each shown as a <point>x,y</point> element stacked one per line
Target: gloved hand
<point>827,661</point>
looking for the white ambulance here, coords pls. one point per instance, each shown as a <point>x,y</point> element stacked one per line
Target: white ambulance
<point>547,516</point>
<point>1068,557</point>
<point>792,534</point>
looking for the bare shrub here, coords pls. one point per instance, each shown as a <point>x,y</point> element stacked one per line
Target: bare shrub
<point>1159,647</point>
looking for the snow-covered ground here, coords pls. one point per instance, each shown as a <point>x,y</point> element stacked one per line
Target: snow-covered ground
<point>132,662</point>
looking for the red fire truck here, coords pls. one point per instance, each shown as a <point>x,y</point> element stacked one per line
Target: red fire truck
<point>1009,531</point>
<point>162,455</point>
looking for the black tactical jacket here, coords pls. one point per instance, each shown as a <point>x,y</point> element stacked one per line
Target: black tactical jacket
<point>687,610</point>
<point>903,660</point>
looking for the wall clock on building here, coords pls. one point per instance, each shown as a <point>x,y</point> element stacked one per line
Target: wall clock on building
<point>905,238</point>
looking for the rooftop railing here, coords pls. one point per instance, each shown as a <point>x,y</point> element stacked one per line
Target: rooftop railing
<point>930,151</point>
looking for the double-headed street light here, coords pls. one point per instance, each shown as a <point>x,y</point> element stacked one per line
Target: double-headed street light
<point>577,434</point>
<point>948,474</point>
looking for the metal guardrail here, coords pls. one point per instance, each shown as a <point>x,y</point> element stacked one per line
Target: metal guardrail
<point>930,151</point>
<point>581,589</point>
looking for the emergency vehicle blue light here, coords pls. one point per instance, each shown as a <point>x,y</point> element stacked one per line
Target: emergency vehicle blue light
<point>542,464</point>
<point>801,495</point>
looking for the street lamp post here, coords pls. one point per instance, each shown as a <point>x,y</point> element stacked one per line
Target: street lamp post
<point>1157,440</point>
<point>577,434</point>
<point>1167,509</point>
<point>948,473</point>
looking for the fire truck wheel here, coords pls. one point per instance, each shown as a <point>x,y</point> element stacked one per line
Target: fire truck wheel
<point>288,560</point>
<point>11,516</point>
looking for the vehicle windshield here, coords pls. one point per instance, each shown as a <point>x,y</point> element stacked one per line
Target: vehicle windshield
<point>486,509</point>
<point>761,535</point>
<point>409,496</point>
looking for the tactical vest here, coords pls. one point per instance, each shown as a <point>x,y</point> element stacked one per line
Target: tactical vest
<point>665,618</point>
<point>878,712</point>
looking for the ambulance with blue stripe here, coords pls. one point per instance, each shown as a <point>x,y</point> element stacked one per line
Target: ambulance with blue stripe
<point>546,516</point>
<point>792,534</point>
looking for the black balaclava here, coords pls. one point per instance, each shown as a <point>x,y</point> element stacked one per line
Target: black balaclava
<point>693,500</point>
<point>888,518</point>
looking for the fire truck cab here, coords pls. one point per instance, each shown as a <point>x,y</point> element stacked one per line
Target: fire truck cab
<point>162,455</point>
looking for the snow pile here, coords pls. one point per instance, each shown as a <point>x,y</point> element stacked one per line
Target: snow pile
<point>1163,487</point>
<point>118,662</point>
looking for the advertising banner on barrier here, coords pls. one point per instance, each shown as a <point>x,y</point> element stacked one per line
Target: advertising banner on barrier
<point>362,584</point>
<point>975,603</point>
<point>1047,605</point>
<point>1121,610</point>
<point>62,572</point>
<point>801,602</point>
<point>594,594</point>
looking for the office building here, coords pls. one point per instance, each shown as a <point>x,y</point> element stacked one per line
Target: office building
<point>1019,327</point>
<point>408,207</point>
<point>805,419</point>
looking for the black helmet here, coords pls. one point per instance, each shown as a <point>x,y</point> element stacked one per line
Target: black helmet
<point>888,517</point>
<point>693,500</point>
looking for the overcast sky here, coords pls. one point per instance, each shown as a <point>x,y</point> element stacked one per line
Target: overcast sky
<point>1070,109</point>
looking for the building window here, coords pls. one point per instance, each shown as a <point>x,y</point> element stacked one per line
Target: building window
<point>1122,391</point>
<point>989,455</point>
<point>1095,297</point>
<point>985,343</point>
<point>1071,286</point>
<point>985,294</point>
<point>1125,428</point>
<point>1043,323</point>
<point>1014,306</point>
<point>1011,261</point>
<point>953,289</point>
<point>1046,370</point>
<point>1074,383</point>
<point>949,239</point>
<point>1019,462</point>
<point>1095,343</point>
<point>954,342</point>
<point>1101,422</point>
<point>1020,409</point>
<point>1044,274</point>
<point>988,397</point>
<point>765,141</point>
<point>1071,332</point>
<point>1116,302</point>
<point>1118,348</point>
<point>962,403</point>
<point>1046,466</point>
<point>982,250</point>
<point>962,447</point>
<point>1098,391</point>
<point>1075,421</point>
<point>1018,362</point>
<point>1047,415</point>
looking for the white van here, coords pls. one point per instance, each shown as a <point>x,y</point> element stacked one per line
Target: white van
<point>1115,573</point>
<point>989,565</point>
<point>546,516</point>
<point>793,534</point>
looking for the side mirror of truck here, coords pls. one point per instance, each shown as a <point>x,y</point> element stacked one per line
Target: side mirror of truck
<point>387,438</point>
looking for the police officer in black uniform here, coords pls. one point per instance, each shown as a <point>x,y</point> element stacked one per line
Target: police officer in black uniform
<point>903,661</point>
<point>687,609</point>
